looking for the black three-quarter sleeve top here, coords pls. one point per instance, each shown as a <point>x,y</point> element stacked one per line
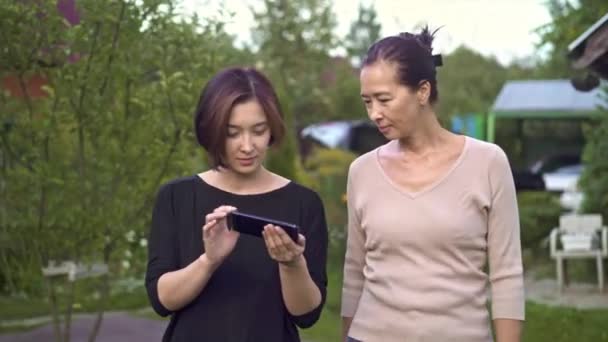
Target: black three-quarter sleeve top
<point>242,302</point>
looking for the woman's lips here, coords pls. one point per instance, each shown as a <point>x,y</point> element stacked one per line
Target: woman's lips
<point>383,129</point>
<point>246,161</point>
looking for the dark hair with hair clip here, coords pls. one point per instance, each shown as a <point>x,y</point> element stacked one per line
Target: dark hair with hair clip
<point>413,55</point>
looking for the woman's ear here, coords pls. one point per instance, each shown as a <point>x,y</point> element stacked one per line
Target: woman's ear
<point>424,92</point>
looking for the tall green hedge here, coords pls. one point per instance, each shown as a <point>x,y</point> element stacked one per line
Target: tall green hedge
<point>594,181</point>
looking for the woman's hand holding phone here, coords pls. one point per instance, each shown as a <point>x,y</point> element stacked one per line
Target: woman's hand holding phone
<point>281,247</point>
<point>219,241</point>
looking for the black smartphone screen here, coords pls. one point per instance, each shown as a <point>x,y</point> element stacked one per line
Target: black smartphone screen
<point>254,225</point>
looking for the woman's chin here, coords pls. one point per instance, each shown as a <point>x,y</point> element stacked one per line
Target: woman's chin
<point>246,170</point>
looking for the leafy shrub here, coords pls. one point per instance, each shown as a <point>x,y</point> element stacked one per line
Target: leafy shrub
<point>594,181</point>
<point>328,170</point>
<point>538,213</point>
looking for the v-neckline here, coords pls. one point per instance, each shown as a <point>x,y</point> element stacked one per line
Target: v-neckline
<point>432,185</point>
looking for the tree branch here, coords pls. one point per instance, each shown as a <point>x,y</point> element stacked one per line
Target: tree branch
<point>79,109</point>
<point>26,96</point>
<point>113,48</point>
<point>13,156</point>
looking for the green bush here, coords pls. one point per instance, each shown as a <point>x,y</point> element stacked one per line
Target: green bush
<point>328,170</point>
<point>538,213</point>
<point>594,181</point>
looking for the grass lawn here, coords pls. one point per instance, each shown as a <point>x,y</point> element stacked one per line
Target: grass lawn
<point>16,308</point>
<point>13,308</point>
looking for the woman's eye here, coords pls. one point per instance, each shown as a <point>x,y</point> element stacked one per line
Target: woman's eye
<point>232,134</point>
<point>384,100</point>
<point>259,131</point>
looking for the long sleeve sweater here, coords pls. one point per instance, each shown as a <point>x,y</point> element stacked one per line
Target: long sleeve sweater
<point>415,262</point>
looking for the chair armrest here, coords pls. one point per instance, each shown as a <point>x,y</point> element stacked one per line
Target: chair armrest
<point>553,241</point>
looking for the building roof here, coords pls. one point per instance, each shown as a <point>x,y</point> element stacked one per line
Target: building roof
<point>590,49</point>
<point>546,98</point>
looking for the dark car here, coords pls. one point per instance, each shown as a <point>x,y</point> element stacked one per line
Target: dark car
<point>526,180</point>
<point>357,136</point>
<point>533,177</point>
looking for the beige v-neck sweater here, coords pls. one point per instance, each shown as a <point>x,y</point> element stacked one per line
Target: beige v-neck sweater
<point>414,268</point>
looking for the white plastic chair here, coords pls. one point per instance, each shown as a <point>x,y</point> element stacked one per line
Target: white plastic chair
<point>582,236</point>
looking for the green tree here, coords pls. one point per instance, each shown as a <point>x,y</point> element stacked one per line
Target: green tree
<point>82,164</point>
<point>594,181</point>
<point>569,19</point>
<point>292,40</point>
<point>343,91</point>
<point>364,31</point>
<point>468,83</point>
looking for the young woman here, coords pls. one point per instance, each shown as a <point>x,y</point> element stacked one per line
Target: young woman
<point>217,284</point>
<point>426,211</point>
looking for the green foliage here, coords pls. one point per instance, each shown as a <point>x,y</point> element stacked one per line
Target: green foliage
<point>569,20</point>
<point>329,169</point>
<point>594,180</point>
<point>293,40</point>
<point>82,165</point>
<point>364,31</point>
<point>87,296</point>
<point>557,324</point>
<point>343,92</point>
<point>538,214</point>
<point>282,158</point>
<point>468,82</point>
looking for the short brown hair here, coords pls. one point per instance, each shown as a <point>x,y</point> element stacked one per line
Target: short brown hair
<point>225,90</point>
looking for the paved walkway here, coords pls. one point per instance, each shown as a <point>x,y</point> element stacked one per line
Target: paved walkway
<point>116,326</point>
<point>577,295</point>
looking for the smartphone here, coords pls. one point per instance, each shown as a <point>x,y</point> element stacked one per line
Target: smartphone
<point>254,225</point>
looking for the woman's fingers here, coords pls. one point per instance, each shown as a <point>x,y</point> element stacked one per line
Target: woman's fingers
<point>208,228</point>
<point>270,244</point>
<point>219,213</point>
<point>301,241</point>
<point>284,239</point>
<point>216,215</point>
<point>224,209</point>
<point>279,244</point>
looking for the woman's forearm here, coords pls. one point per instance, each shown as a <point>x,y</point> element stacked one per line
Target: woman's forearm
<point>300,294</point>
<point>178,288</point>
<point>507,330</point>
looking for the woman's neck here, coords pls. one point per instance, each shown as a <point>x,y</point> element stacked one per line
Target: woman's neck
<point>428,136</point>
<point>228,180</point>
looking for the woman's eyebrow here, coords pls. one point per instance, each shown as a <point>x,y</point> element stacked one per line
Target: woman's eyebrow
<point>263,123</point>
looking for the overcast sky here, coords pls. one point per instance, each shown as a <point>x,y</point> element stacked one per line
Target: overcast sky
<point>502,28</point>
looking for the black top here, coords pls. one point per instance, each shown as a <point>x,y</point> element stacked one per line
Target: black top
<point>242,301</point>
